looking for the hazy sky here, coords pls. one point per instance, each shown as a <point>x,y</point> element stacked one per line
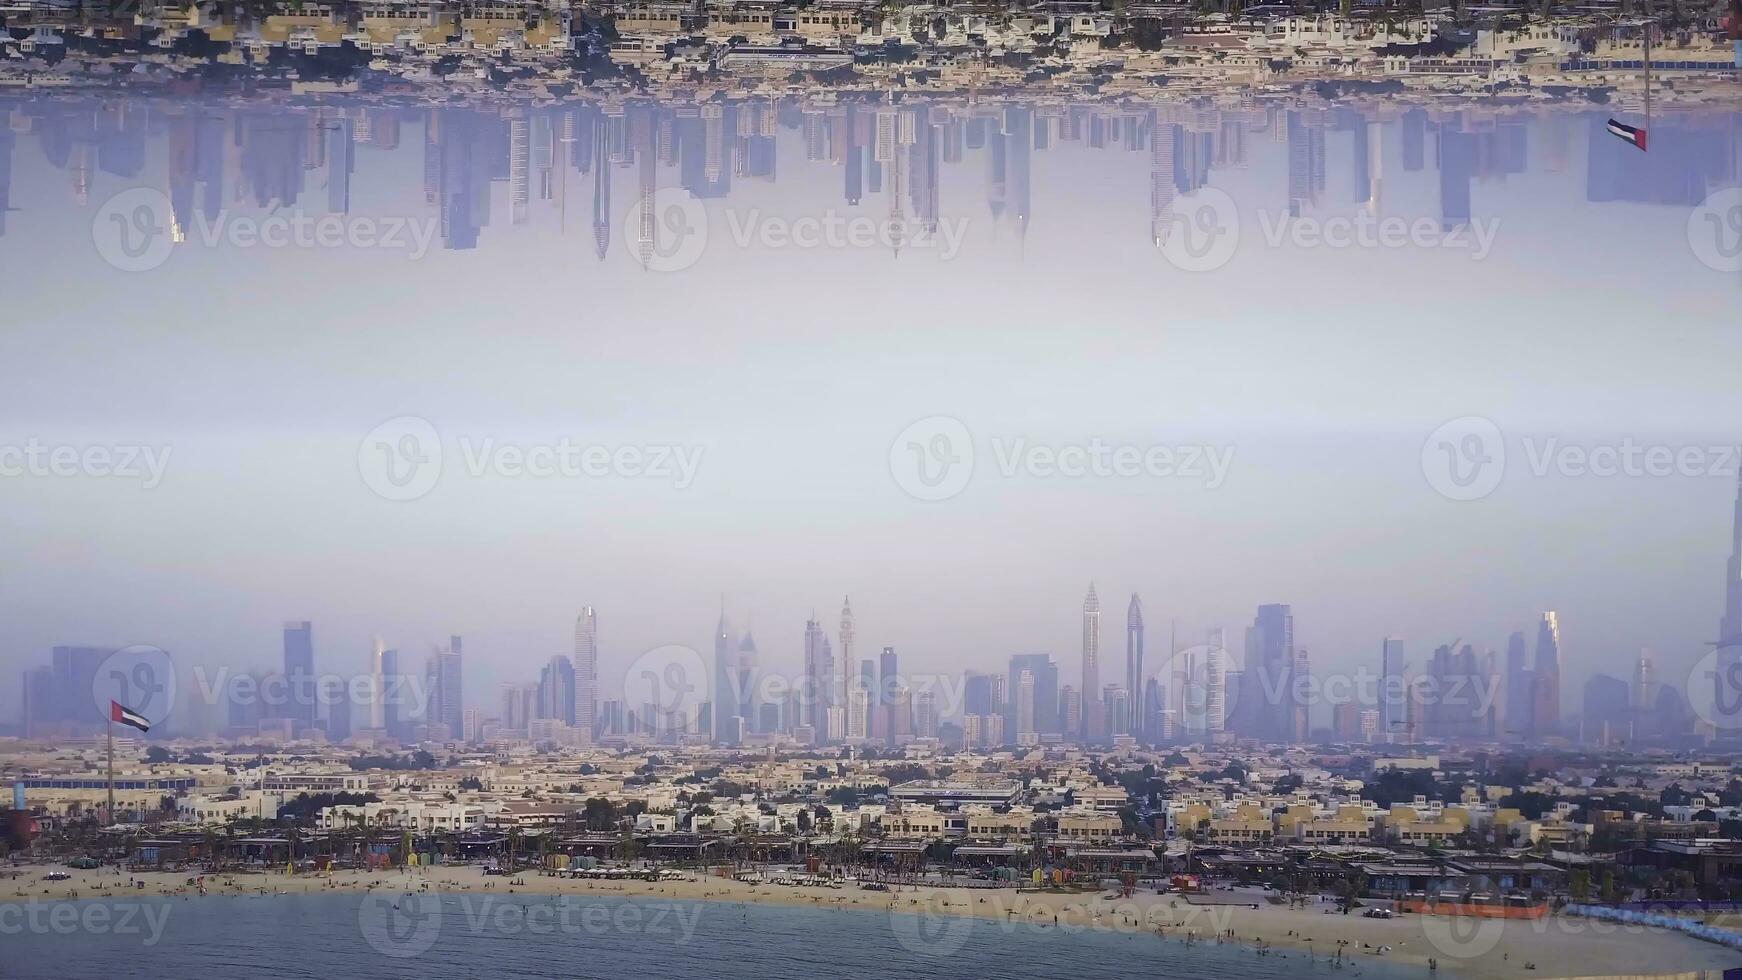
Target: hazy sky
<point>1322,371</point>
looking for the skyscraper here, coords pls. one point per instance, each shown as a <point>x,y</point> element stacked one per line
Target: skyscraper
<point>556,690</point>
<point>1299,683</point>
<point>1390,686</point>
<point>1134,666</point>
<point>1267,696</point>
<point>378,686</point>
<point>724,660</point>
<point>925,715</point>
<point>392,695</point>
<point>299,671</point>
<point>1025,706</point>
<point>977,694</point>
<point>1644,692</point>
<point>888,679</point>
<point>744,681</point>
<point>1091,663</point>
<point>586,671</point>
<point>1548,676</point>
<point>39,701</point>
<point>446,706</point>
<point>1071,709</point>
<point>1520,711</point>
<point>1044,688</point>
<point>1215,683</point>
<point>1727,675</point>
<point>819,671</point>
<point>847,661</point>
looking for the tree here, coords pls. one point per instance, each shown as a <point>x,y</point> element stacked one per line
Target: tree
<point>600,814</point>
<point>1579,885</point>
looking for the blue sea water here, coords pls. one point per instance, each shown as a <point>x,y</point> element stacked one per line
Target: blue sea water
<point>470,935</point>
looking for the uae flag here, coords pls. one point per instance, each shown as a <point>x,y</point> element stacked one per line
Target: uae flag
<point>127,716</point>
<point>1628,133</point>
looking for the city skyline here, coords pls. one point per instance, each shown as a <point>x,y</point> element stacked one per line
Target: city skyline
<point>792,483</point>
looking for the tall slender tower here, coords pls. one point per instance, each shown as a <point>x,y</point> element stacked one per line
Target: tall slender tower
<point>587,671</point>
<point>1215,683</point>
<point>744,674</point>
<point>299,671</point>
<point>818,670</point>
<point>378,685</point>
<point>1091,657</point>
<point>847,661</point>
<point>1390,686</point>
<point>1518,723</point>
<point>725,697</point>
<point>1134,666</point>
<point>1727,677</point>
<point>1548,675</point>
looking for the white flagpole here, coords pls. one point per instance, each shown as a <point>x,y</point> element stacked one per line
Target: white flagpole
<point>109,728</point>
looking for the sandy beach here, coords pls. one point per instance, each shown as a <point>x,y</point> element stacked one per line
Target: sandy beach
<point>1551,947</point>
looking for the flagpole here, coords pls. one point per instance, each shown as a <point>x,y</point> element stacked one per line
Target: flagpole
<point>1648,77</point>
<point>109,728</point>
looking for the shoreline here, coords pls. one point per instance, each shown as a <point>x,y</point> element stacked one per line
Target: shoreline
<point>1555,946</point>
